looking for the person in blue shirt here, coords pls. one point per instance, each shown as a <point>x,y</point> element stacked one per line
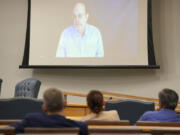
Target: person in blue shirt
<point>53,116</point>
<point>168,100</point>
<point>81,40</point>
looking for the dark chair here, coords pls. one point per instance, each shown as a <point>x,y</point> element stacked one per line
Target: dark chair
<point>7,131</point>
<point>162,124</point>
<point>107,123</point>
<point>17,108</point>
<point>50,131</point>
<point>130,109</point>
<point>28,88</point>
<point>0,85</point>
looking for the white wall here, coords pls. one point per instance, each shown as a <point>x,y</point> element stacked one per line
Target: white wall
<point>147,83</point>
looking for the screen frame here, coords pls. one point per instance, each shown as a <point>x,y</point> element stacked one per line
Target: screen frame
<point>151,54</point>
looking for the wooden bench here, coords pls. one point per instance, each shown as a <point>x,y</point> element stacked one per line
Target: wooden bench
<point>63,131</point>
<point>8,122</point>
<point>161,131</point>
<point>162,124</point>
<point>7,131</point>
<point>112,131</point>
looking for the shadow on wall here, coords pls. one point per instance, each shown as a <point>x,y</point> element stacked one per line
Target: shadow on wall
<point>164,19</point>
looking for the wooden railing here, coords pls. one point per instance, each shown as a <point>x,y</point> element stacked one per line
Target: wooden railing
<point>118,96</point>
<point>124,96</point>
<point>85,95</point>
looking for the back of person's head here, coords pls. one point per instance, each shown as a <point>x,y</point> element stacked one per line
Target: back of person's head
<point>168,99</point>
<point>95,101</point>
<point>53,100</point>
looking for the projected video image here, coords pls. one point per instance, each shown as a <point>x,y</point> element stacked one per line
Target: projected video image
<point>81,39</point>
<point>88,32</point>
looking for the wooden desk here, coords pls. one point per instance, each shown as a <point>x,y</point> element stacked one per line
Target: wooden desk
<point>78,110</point>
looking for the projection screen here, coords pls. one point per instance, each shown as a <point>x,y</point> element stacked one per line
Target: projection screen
<point>88,32</point>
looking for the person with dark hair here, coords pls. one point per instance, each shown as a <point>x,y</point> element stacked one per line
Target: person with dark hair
<point>168,100</point>
<point>95,102</point>
<point>53,116</point>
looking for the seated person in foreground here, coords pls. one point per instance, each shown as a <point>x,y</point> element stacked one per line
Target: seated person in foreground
<point>95,103</point>
<point>53,116</point>
<point>168,100</point>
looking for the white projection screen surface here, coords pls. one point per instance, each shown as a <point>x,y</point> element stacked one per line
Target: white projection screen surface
<point>89,32</point>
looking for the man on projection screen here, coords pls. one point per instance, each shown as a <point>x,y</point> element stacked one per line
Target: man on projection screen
<point>80,39</point>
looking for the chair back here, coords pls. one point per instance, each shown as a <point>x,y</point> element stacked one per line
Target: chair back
<point>28,88</point>
<point>115,131</point>
<point>165,131</point>
<point>107,123</point>
<point>8,122</point>
<point>51,131</point>
<point>17,108</point>
<point>7,131</point>
<point>163,124</point>
<point>130,109</point>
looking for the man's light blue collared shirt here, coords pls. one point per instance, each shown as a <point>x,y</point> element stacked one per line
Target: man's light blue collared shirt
<point>72,44</point>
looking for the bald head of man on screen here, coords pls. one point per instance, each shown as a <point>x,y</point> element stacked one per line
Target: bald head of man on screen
<point>81,39</point>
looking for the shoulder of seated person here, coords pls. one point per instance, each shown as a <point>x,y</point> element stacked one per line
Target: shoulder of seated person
<point>113,114</point>
<point>111,111</point>
<point>88,117</point>
<point>150,113</point>
<point>34,114</point>
<point>78,123</point>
